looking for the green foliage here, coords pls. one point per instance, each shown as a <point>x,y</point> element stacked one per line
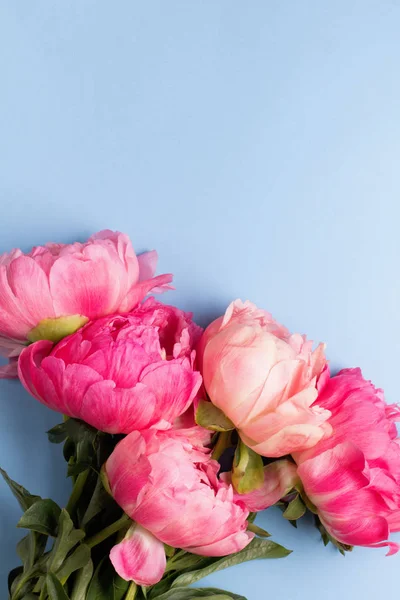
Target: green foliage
<point>184,593</point>
<point>211,417</point>
<point>25,499</point>
<point>295,509</point>
<point>42,517</point>
<point>76,568</point>
<point>257,548</point>
<point>106,584</point>
<point>55,588</point>
<point>248,470</point>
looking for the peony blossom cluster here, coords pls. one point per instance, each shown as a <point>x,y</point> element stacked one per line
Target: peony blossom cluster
<point>173,400</point>
<point>339,432</point>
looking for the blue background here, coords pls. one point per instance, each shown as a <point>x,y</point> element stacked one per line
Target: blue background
<point>256,146</point>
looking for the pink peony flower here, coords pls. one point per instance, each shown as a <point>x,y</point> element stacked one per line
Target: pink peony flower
<point>353,477</point>
<point>168,485</point>
<point>54,289</point>
<point>119,373</point>
<point>264,379</point>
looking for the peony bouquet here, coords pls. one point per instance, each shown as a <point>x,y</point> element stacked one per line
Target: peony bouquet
<point>175,438</point>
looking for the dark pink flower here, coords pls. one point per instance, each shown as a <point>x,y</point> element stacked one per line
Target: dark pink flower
<point>119,373</point>
<point>353,477</point>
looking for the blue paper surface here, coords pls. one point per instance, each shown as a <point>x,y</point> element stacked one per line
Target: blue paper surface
<point>256,146</point>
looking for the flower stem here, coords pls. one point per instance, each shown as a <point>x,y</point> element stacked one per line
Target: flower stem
<point>223,442</point>
<point>77,491</point>
<point>43,592</point>
<point>107,531</point>
<point>131,593</point>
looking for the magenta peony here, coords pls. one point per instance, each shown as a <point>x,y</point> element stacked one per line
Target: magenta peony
<point>353,477</point>
<point>265,380</point>
<point>119,373</point>
<point>168,485</point>
<point>54,289</point>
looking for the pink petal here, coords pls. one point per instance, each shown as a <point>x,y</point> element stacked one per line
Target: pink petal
<point>118,410</point>
<point>138,291</point>
<point>174,386</point>
<point>147,264</point>
<point>9,371</point>
<point>336,471</point>
<point>128,470</point>
<point>228,545</point>
<point>393,547</point>
<point>140,557</point>
<point>10,347</point>
<point>91,284</point>
<point>360,531</point>
<point>30,286</point>
<point>47,378</point>
<point>14,322</point>
<point>30,373</point>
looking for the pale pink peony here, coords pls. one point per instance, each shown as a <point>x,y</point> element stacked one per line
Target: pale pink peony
<point>167,483</point>
<point>61,286</point>
<point>264,379</point>
<point>119,373</point>
<point>353,477</point>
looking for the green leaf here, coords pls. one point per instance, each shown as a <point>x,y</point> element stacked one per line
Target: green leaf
<point>248,470</point>
<point>256,549</point>
<point>30,548</point>
<point>54,588</point>
<point>30,596</point>
<point>183,593</point>
<point>13,577</point>
<point>295,509</point>
<point>24,498</point>
<point>67,539</point>
<point>306,500</point>
<point>58,434</point>
<point>211,417</point>
<point>82,582</point>
<point>77,560</point>
<point>74,469</point>
<point>162,586</point>
<point>258,530</point>
<point>69,450</point>
<point>186,561</point>
<point>80,431</point>
<point>42,517</point>
<point>106,584</point>
<point>99,501</point>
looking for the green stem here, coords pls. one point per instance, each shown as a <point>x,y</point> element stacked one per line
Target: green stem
<point>223,442</point>
<point>43,592</point>
<point>131,593</point>
<point>107,532</point>
<point>77,491</point>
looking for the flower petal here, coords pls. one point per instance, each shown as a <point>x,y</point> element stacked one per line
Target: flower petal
<point>10,370</point>
<point>140,557</point>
